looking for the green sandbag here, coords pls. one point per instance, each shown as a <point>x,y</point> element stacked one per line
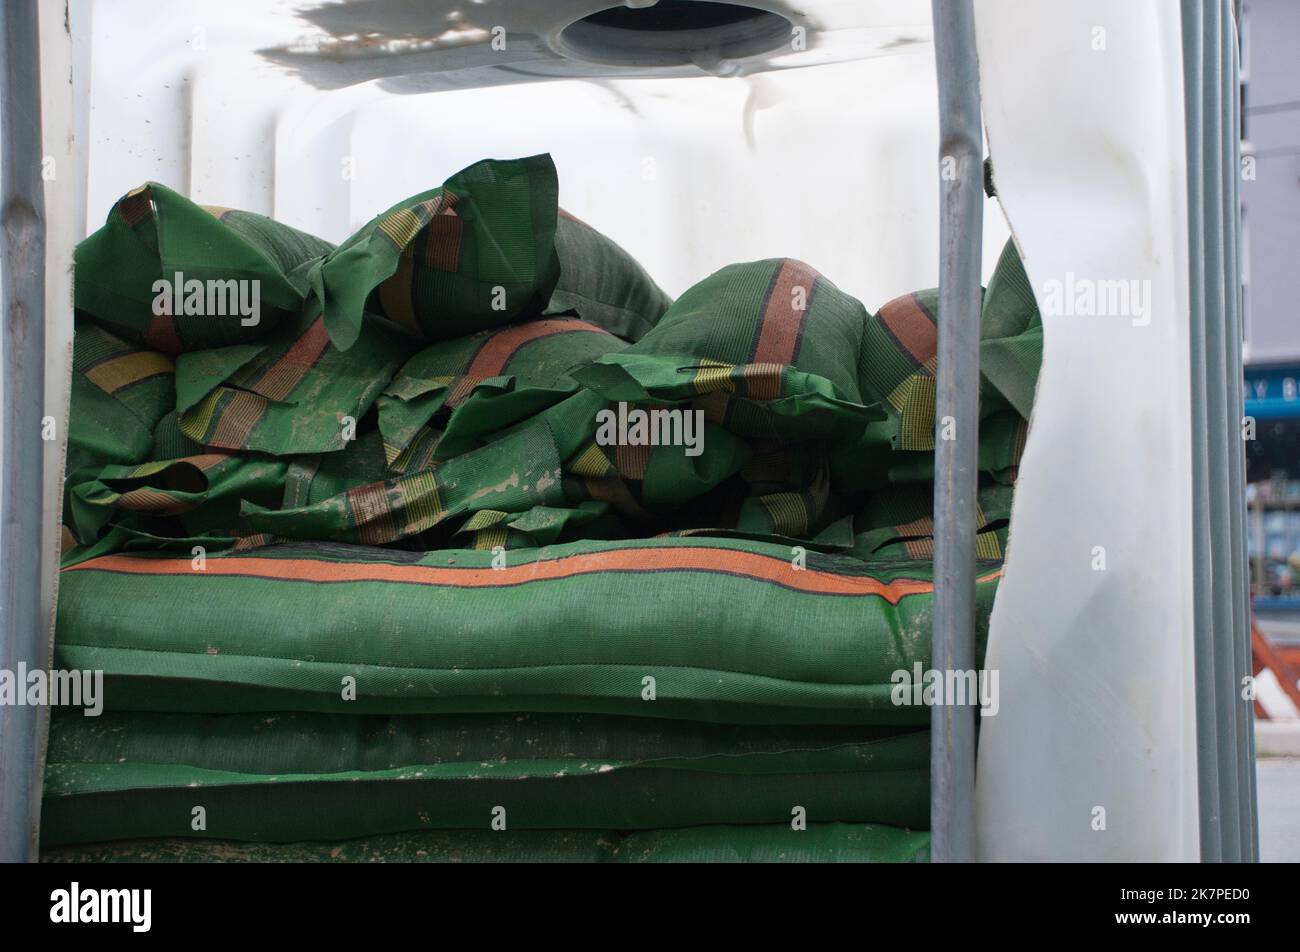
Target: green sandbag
<point>819,843</point>
<point>573,627</point>
<point>289,776</point>
<point>120,394</point>
<point>478,252</point>
<point>296,393</point>
<point>203,492</point>
<point>486,381</point>
<point>315,477</point>
<point>513,473</point>
<point>767,349</point>
<point>900,348</point>
<point>896,523</point>
<point>152,234</point>
<point>602,283</point>
<point>1011,333</point>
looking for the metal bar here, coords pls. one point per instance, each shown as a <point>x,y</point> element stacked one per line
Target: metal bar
<point>1245,710</point>
<point>23,638</point>
<point>961,194</point>
<point>1207,749</point>
<point>1222,434</point>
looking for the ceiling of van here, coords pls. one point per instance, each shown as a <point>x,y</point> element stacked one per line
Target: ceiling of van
<point>426,45</point>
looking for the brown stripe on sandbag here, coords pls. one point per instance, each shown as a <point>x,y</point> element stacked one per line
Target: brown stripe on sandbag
<point>278,380</point>
<point>206,461</point>
<point>919,548</point>
<point>444,235</point>
<point>252,541</point>
<point>162,334</point>
<point>917,527</point>
<point>613,490</point>
<point>236,421</point>
<point>632,461</point>
<point>371,513</point>
<point>136,206</point>
<point>154,501</point>
<point>500,347</point>
<point>715,405</point>
<point>1018,448</point>
<point>780,330</point>
<point>707,560</point>
<point>762,381</point>
<point>912,328</point>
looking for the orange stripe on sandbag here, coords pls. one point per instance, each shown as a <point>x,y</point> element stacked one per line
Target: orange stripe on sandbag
<point>781,326</point>
<point>716,561</point>
<point>500,348</point>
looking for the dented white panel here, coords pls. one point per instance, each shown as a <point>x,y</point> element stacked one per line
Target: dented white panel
<point>1092,755</point>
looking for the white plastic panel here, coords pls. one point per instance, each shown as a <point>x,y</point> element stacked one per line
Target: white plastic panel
<point>1095,663</point>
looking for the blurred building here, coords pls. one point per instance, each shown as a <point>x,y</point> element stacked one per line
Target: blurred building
<point>1270,197</point>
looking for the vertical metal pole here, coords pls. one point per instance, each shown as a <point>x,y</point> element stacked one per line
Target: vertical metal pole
<point>1207,747</point>
<point>22,309</point>
<point>1245,710</point>
<point>1222,435</point>
<point>961,194</point>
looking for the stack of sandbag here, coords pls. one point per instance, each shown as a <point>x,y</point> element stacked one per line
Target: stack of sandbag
<point>462,535</point>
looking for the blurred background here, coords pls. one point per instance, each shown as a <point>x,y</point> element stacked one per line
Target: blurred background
<point>1270,196</point>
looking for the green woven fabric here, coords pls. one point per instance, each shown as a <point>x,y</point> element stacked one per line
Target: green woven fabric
<point>152,234</point>
<point>485,382</point>
<point>900,349</point>
<point>602,282</point>
<point>120,394</point>
<point>897,523</point>
<point>767,349</point>
<point>574,627</point>
<point>477,252</point>
<point>819,843</point>
<point>288,776</point>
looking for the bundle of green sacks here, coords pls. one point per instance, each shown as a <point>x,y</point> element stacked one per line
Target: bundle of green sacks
<point>462,541</point>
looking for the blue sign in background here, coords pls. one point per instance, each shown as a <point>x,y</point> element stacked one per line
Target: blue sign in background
<point>1273,392</point>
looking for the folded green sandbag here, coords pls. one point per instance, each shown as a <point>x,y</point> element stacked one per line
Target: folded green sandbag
<point>289,776</point>
<point>728,629</point>
<point>819,843</point>
<point>153,234</point>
